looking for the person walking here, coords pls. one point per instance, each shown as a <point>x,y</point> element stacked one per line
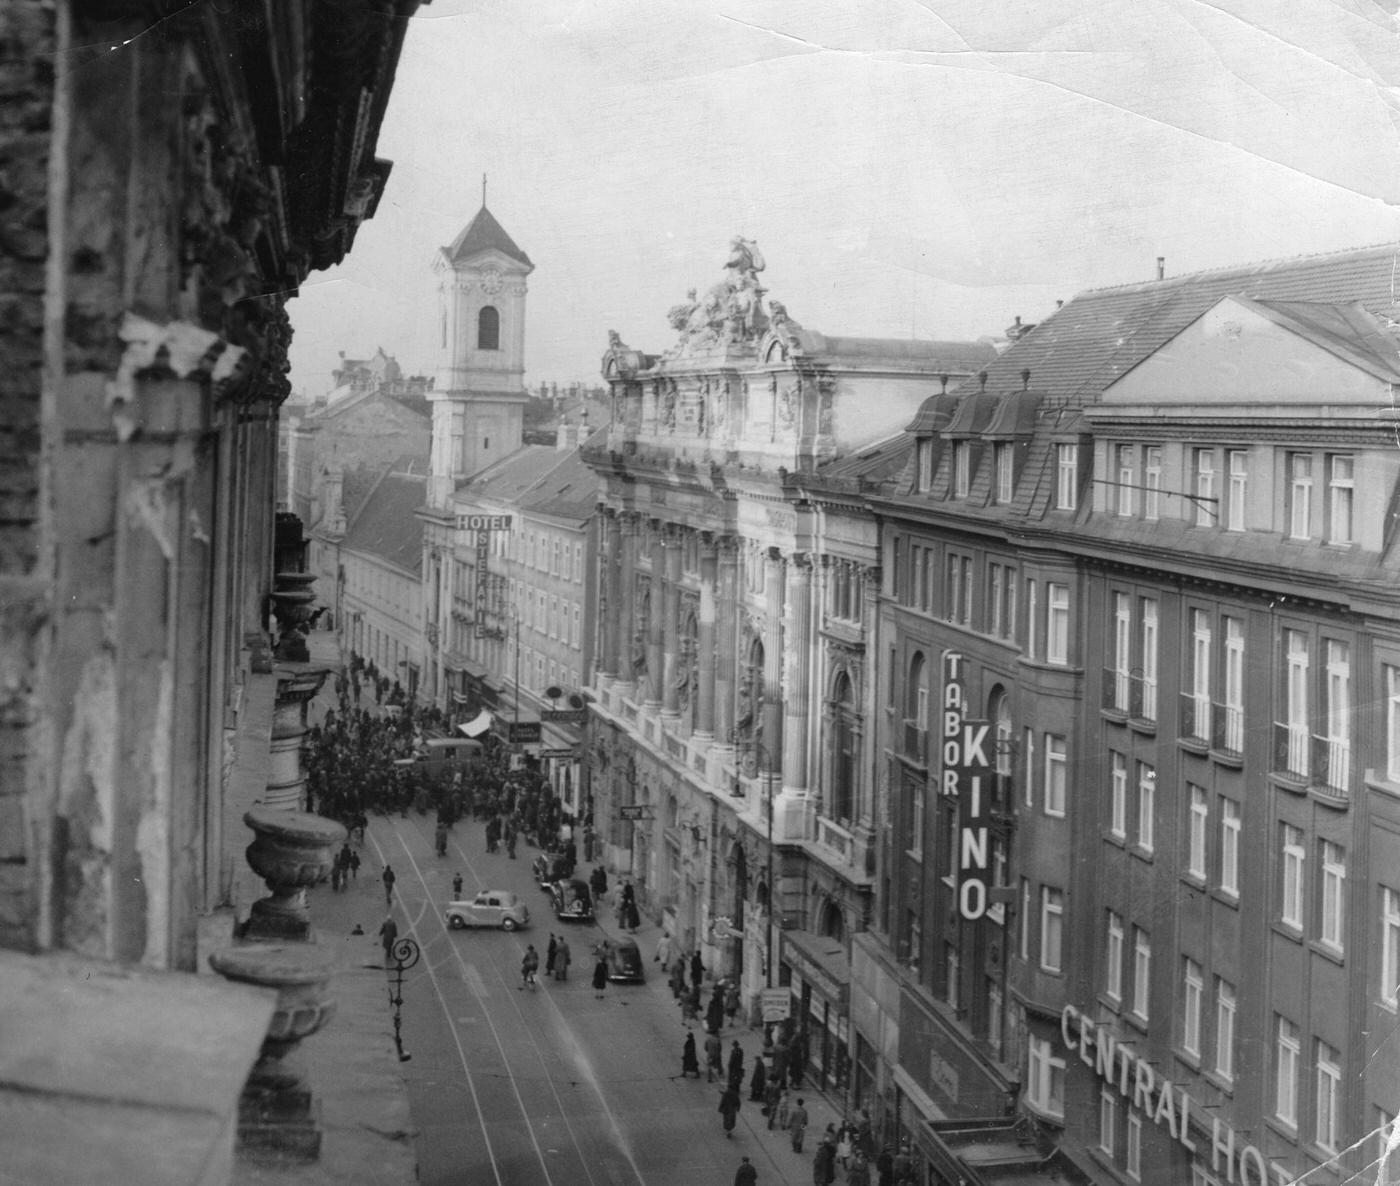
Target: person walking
<point>729,1108</point>
<point>456,887</point>
<point>824,1163</point>
<point>690,1005</point>
<point>690,1064</point>
<point>561,960</point>
<point>745,1175</point>
<point>714,1057</point>
<point>354,864</point>
<point>772,1096</point>
<point>797,1125</point>
<point>600,974</point>
<point>858,1174</point>
<point>529,965</point>
<point>697,968</point>
<point>714,1013</point>
<point>736,1065</point>
<point>758,1084</point>
<point>388,879</point>
<point>549,954</point>
<point>663,950</point>
<point>388,936</point>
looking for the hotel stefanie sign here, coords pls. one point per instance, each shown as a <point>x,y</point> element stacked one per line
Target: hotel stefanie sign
<point>967,773</point>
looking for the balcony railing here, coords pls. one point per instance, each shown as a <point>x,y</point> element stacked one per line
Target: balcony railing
<point>1195,716</point>
<point>1143,705</point>
<point>1116,686</point>
<point>1292,750</point>
<point>833,836</point>
<point>1227,728</point>
<point>1332,765</point>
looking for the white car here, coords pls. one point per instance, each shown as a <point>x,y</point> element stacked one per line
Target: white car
<point>490,908</point>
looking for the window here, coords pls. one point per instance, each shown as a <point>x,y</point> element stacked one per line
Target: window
<point>1052,919</point>
<point>1230,847</point>
<point>1299,495</point>
<point>1334,883</point>
<point>1031,611</point>
<point>1233,738</point>
<point>1152,480</point>
<point>1118,810</point>
<point>1200,675</point>
<point>1225,1029</point>
<point>1066,476</point>
<point>1329,1092</point>
<point>1390,947</point>
<point>1045,1079</point>
<point>1133,1154</point>
<point>1113,958</point>
<point>1287,1050</point>
<point>1057,623</point>
<point>1338,710</point>
<point>962,468</point>
<point>1390,679</point>
<point>488,329</point>
<point>925,464</point>
<point>1192,989</point>
<point>1124,456</point>
<point>1291,897</point>
<point>952,970</point>
<point>1340,497</point>
<point>1237,462</point>
<point>1023,938</point>
<point>1197,831</point>
<point>1147,805</point>
<point>1005,457</point>
<point>1108,1119</point>
<point>1148,609</point>
<point>1142,971</point>
<point>1029,780</point>
<point>1296,702</point>
<point>1002,595</point>
<point>1122,649</point>
<point>1054,775</point>
<point>1206,503</point>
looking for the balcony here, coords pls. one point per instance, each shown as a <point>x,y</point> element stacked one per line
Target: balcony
<point>1292,751</point>
<point>1227,729</point>
<point>1116,687</point>
<point>1142,702</point>
<point>831,835</point>
<point>1331,766</point>
<point>1195,717</point>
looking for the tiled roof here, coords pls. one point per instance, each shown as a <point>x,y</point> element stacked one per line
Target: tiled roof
<point>508,479</point>
<point>875,463</point>
<point>961,357</point>
<point>484,233</point>
<point>1100,335</point>
<point>569,491</point>
<point>385,525</point>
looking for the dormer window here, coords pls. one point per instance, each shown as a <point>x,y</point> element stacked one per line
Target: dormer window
<point>1066,476</point>
<point>925,458</point>
<point>1005,456</point>
<point>488,329</point>
<point>962,468</point>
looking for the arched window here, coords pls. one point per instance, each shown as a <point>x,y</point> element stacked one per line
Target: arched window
<point>844,759</point>
<point>488,329</point>
<point>830,922</point>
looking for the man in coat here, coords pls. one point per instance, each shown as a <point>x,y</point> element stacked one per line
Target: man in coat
<point>736,1065</point>
<point>714,1057</point>
<point>797,1125</point>
<point>561,960</point>
<point>388,936</point>
<point>745,1175</point>
<point>729,1108</point>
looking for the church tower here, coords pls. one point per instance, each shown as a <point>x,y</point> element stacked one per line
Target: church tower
<point>478,393</point>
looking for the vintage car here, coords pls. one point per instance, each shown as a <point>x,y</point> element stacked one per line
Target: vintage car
<point>550,867</point>
<point>490,908</point>
<point>624,959</point>
<point>572,900</point>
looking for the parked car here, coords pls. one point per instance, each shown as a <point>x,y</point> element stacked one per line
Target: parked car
<point>572,899</point>
<point>490,908</point>
<point>550,867</point>
<point>624,960</point>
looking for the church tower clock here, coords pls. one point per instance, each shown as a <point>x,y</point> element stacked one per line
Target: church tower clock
<point>478,393</point>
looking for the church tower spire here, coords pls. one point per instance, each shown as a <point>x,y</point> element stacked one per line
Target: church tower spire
<point>478,391</point>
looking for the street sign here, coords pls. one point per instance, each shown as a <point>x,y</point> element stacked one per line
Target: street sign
<point>565,716</point>
<point>634,811</point>
<point>565,752</point>
<point>777,1004</point>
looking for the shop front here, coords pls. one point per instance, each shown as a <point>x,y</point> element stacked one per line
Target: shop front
<point>818,975</point>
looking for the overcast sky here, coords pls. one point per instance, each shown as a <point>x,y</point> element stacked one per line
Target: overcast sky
<point>929,169</point>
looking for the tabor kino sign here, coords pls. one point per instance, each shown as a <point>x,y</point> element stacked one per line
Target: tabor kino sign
<point>1162,1103</point>
<point>967,771</point>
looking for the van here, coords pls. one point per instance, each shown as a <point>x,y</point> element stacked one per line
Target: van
<point>444,755</point>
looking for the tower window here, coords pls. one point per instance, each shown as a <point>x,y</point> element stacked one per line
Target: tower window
<point>488,329</point>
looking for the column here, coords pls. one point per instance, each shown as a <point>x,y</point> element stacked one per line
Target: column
<point>656,620</point>
<point>727,641</point>
<point>627,600</point>
<point>797,648</point>
<point>612,649</point>
<point>671,625</point>
<point>705,639</point>
<point>773,646</point>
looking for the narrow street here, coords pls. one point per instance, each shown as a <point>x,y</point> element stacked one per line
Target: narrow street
<point>516,1087</point>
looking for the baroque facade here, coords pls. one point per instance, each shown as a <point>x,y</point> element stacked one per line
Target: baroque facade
<point>730,756</point>
<point>1140,597</point>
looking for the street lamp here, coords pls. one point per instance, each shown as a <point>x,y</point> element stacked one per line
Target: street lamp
<point>405,954</point>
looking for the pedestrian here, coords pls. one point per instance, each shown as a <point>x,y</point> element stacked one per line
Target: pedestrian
<point>440,838</point>
<point>714,1014</point>
<point>561,960</point>
<point>388,936</point>
<point>797,1125</point>
<point>689,1062</point>
<point>843,1145</point>
<point>354,864</point>
<point>772,1096</point>
<point>335,876</point>
<point>736,1065</point>
<point>731,1001</point>
<point>389,880</point>
<point>663,950</point>
<point>549,953</point>
<point>456,887</point>
<point>884,1167</point>
<point>779,1063</point>
<point>784,1111</point>
<point>510,841</point>
<point>690,1005</point>
<point>729,1107</point>
<point>859,1172</point>
<point>697,968</point>
<point>529,965</point>
<point>903,1166</point>
<point>758,1084</point>
<point>824,1163</point>
<point>600,975</point>
<point>745,1175</point>
<point>714,1057</point>
<point>797,1058</point>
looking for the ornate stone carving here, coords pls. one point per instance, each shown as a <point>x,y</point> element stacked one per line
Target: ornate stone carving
<point>292,851</point>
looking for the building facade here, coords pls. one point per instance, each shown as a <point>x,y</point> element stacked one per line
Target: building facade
<point>1139,615</point>
<point>730,759</point>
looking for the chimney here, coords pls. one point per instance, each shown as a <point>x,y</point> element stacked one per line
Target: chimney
<point>1026,379</point>
<point>982,380</point>
<point>1059,304</point>
<point>1161,267</point>
<point>944,380</point>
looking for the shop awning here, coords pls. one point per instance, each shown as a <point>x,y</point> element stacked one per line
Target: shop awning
<point>478,725</point>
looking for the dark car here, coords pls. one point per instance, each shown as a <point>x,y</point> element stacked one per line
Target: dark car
<point>573,902</point>
<point>550,867</point>
<point>624,960</point>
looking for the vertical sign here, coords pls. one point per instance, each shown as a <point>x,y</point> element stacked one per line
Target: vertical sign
<point>965,770</point>
<point>483,525</point>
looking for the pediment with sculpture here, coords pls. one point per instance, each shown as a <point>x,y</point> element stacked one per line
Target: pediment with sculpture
<point>730,313</point>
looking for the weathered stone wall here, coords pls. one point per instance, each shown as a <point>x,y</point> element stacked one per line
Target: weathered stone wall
<point>27,41</point>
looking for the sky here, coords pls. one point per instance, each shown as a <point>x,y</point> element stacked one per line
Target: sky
<point>908,168</point>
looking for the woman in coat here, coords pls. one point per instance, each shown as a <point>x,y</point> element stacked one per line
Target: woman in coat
<point>759,1082</point>
<point>561,960</point>
<point>600,975</point>
<point>690,1062</point>
<point>729,1108</point>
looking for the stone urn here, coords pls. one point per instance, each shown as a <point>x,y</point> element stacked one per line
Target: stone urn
<point>278,1113</point>
<point>292,599</point>
<point>291,851</point>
